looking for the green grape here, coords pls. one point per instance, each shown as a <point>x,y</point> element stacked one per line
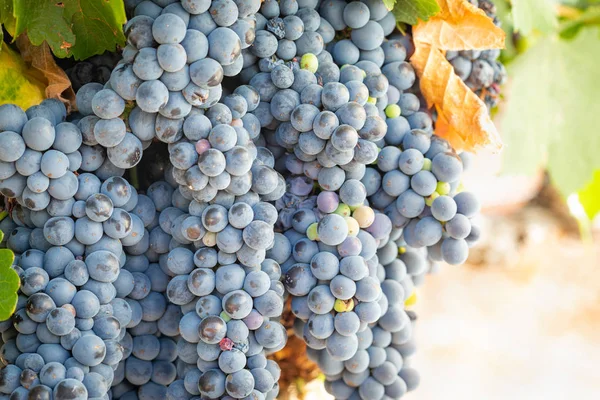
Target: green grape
<point>353,226</point>
<point>224,316</point>
<point>343,210</point>
<point>311,231</point>
<point>426,164</point>
<point>443,188</point>
<point>309,62</point>
<point>429,199</point>
<point>343,305</point>
<point>392,111</point>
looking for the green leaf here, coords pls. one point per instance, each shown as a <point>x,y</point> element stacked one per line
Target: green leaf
<point>551,109</point>
<point>79,28</point>
<point>410,11</point>
<point>19,84</point>
<point>9,284</point>
<point>45,21</point>
<point>97,25</point>
<point>6,16</point>
<point>589,195</point>
<point>529,15</point>
<point>6,13</point>
<point>389,4</point>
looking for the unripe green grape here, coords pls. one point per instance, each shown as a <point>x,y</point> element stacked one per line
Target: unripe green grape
<point>442,188</point>
<point>426,164</point>
<point>309,62</point>
<point>353,226</point>
<point>392,111</point>
<point>311,231</point>
<point>343,305</point>
<point>343,210</point>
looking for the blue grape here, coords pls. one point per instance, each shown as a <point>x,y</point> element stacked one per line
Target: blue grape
<point>146,65</point>
<point>108,104</point>
<point>168,28</point>
<point>356,14</point>
<point>38,134</point>
<point>151,96</point>
<point>467,204</point>
<point>423,183</point>
<point>171,57</point>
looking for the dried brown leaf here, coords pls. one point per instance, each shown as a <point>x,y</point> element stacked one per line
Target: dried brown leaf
<point>463,118</point>
<point>41,58</point>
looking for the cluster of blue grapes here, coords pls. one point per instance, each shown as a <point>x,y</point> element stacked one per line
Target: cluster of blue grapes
<point>113,297</point>
<point>176,56</point>
<point>395,188</point>
<point>287,153</point>
<point>480,69</point>
<point>380,366</point>
<point>68,337</point>
<point>218,158</point>
<point>322,125</point>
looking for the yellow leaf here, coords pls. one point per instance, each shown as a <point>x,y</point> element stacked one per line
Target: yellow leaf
<point>19,84</point>
<point>41,58</point>
<point>459,26</point>
<point>463,118</point>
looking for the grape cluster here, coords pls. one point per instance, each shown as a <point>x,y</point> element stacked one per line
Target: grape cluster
<point>363,25</point>
<point>287,153</point>
<point>380,366</point>
<point>416,178</point>
<point>330,272</point>
<point>68,337</point>
<point>322,125</point>
<point>480,69</point>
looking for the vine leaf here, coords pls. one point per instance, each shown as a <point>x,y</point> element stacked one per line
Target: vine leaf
<point>9,284</point>
<point>40,58</point>
<point>411,11</point>
<point>78,28</point>
<point>6,17</point>
<point>19,84</point>
<point>548,120</point>
<point>463,118</point>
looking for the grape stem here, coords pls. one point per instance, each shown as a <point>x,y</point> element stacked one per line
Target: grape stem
<point>3,214</point>
<point>133,177</point>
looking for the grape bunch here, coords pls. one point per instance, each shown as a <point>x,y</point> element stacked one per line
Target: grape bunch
<point>67,338</point>
<point>322,125</point>
<point>241,153</point>
<point>380,367</point>
<point>480,69</point>
<point>112,296</point>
